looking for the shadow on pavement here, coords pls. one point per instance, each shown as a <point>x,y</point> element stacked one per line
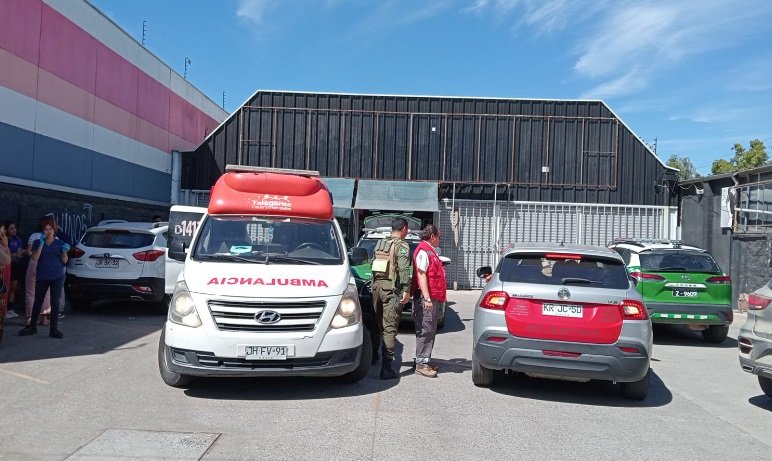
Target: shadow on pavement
<point>596,393</point>
<point>106,327</point>
<point>453,322</point>
<point>762,401</point>
<point>679,335</point>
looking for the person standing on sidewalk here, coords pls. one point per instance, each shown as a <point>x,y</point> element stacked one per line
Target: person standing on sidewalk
<point>51,256</point>
<point>429,276</point>
<point>391,290</point>
<point>5,267</point>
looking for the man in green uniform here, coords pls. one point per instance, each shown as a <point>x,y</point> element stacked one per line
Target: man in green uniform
<point>391,286</point>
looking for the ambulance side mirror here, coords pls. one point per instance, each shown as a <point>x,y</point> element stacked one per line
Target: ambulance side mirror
<point>177,250</point>
<point>358,256</point>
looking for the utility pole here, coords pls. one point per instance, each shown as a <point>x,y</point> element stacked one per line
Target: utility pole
<point>185,74</point>
<point>144,31</point>
<point>223,100</point>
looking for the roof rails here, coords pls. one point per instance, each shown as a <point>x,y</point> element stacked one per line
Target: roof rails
<point>644,242</point>
<point>262,169</point>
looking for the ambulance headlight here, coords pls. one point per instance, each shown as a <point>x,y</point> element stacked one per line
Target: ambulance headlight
<point>348,313</point>
<point>182,309</point>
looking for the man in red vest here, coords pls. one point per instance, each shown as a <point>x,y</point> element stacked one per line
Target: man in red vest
<point>429,278</point>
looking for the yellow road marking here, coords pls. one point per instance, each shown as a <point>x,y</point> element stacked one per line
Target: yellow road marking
<point>23,376</point>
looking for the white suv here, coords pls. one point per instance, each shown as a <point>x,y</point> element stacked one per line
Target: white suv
<point>118,261</point>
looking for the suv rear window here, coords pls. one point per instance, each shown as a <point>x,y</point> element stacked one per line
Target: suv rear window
<point>577,270</point>
<point>673,261</point>
<point>117,239</point>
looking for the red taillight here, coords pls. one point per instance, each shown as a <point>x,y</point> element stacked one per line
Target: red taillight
<point>757,302</point>
<point>721,280</point>
<point>561,354</point>
<point>495,300</point>
<point>496,339</point>
<point>629,350</point>
<point>562,256</point>
<point>149,255</point>
<point>644,276</point>
<point>633,310</point>
<point>75,252</point>
<point>143,288</point>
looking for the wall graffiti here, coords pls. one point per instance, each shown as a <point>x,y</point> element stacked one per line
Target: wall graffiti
<point>74,224</point>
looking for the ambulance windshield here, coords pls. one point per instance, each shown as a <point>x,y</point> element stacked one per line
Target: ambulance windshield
<point>271,240</point>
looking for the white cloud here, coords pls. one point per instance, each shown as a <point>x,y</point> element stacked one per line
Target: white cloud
<point>714,115</point>
<point>630,82</point>
<point>254,10</point>
<point>612,37</point>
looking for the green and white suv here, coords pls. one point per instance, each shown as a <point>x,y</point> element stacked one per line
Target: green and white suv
<point>680,284</point>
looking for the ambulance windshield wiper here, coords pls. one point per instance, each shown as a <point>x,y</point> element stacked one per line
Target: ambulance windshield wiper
<point>280,257</point>
<point>229,257</point>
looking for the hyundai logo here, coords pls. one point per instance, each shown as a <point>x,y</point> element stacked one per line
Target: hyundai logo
<point>564,293</point>
<point>267,317</point>
<point>685,277</point>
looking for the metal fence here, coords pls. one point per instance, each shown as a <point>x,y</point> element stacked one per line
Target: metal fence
<point>477,233</point>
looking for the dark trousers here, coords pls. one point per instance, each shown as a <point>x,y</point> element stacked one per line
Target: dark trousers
<point>41,286</point>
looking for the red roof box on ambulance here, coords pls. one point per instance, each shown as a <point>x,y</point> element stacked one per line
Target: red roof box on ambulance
<point>268,191</point>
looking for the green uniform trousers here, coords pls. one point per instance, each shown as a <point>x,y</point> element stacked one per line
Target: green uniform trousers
<point>388,312</point>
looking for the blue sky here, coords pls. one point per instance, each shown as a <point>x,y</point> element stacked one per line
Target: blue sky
<point>694,74</point>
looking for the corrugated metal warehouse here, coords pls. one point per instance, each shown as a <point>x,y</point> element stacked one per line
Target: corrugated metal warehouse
<point>491,172</point>
<point>89,118</point>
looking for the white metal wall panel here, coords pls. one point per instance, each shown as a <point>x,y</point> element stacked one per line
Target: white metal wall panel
<point>476,233</point>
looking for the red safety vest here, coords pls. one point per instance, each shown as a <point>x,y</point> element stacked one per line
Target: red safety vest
<point>435,273</point>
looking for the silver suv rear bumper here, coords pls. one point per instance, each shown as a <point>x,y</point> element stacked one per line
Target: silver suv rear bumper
<point>756,359</point>
<point>597,361</point>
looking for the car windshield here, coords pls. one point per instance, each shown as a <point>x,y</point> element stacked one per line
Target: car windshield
<point>115,238</point>
<point>547,269</point>
<point>268,240</point>
<point>661,261</point>
<point>369,245</point>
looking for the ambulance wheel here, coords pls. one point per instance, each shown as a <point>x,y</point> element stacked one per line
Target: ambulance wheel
<point>364,360</point>
<point>170,378</point>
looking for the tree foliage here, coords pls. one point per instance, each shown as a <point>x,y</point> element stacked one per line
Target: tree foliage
<point>685,166</point>
<point>743,159</point>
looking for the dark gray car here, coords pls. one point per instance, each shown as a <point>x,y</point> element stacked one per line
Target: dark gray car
<point>566,312</point>
<point>755,338</point>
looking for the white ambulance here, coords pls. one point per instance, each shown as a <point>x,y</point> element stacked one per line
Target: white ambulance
<point>266,287</point>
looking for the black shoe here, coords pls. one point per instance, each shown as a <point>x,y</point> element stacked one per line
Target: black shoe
<point>30,330</point>
<point>56,334</point>
<point>386,371</point>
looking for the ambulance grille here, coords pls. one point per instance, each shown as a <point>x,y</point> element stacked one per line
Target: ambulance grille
<point>243,316</point>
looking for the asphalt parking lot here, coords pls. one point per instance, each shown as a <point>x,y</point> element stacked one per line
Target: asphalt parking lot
<point>96,394</point>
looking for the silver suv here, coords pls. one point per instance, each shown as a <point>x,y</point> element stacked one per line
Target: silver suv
<point>566,312</point>
<point>755,338</point>
<point>118,261</point>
